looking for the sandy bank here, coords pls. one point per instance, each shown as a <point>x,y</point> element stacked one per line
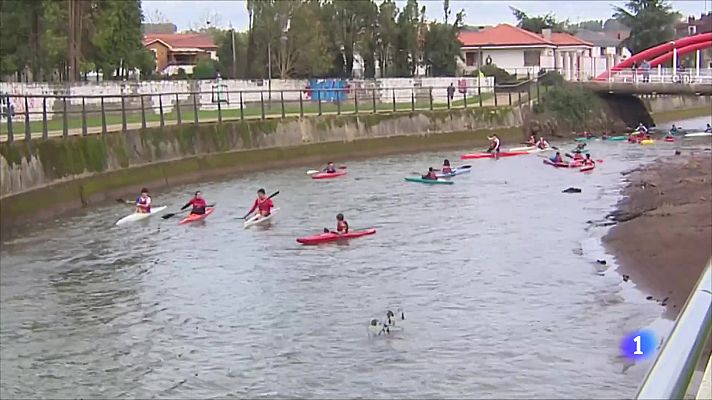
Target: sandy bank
<point>664,236</point>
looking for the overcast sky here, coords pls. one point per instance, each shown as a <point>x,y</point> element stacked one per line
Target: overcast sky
<point>224,13</point>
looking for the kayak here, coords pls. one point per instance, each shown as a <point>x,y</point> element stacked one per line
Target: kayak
<point>538,150</point>
<point>562,164</point>
<point>332,237</point>
<point>491,155</point>
<point>647,141</point>
<point>258,219</point>
<point>133,217</point>
<point>615,138</point>
<point>669,139</point>
<point>525,148</point>
<point>456,171</point>
<point>698,134</point>
<point>430,181</point>
<point>328,175</point>
<point>585,139</point>
<point>197,217</point>
<point>587,168</point>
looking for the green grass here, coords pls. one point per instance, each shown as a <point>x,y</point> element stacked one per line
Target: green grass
<point>251,111</point>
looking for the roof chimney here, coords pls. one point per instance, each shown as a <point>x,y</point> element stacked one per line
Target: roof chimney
<point>546,32</point>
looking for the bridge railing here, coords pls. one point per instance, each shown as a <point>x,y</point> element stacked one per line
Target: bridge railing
<point>42,116</point>
<point>662,75</point>
<point>670,375</point>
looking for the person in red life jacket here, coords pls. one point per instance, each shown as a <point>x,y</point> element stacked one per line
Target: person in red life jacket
<point>588,160</point>
<point>198,204</point>
<point>494,144</point>
<point>263,204</point>
<point>446,169</point>
<point>330,168</point>
<point>341,225</point>
<point>542,143</point>
<point>578,156</point>
<point>431,175</point>
<point>143,202</point>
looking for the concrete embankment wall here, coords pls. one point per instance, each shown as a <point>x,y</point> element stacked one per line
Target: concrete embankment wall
<point>672,108</point>
<point>43,178</point>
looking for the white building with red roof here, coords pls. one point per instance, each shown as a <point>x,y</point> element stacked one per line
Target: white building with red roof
<point>522,52</point>
<point>180,50</point>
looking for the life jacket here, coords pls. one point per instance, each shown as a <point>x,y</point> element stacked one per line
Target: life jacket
<point>342,226</point>
<point>446,169</point>
<point>198,203</point>
<point>144,202</point>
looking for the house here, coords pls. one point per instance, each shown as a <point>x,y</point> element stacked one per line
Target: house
<point>693,26</point>
<point>180,50</point>
<point>522,52</point>
<point>608,49</point>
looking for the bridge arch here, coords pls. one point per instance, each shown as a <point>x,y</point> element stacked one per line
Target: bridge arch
<point>655,52</point>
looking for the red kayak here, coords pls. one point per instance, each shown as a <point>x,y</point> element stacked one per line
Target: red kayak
<point>328,175</point>
<point>332,237</point>
<point>491,155</point>
<point>587,168</point>
<point>669,139</point>
<point>197,217</point>
<point>556,164</point>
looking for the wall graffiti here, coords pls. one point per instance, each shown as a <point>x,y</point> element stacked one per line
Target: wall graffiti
<point>327,90</point>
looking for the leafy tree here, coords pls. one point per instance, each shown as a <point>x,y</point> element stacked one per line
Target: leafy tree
<point>205,69</point>
<point>118,38</point>
<point>225,55</point>
<point>406,52</point>
<point>538,23</point>
<point>651,22</point>
<point>387,36</point>
<point>442,47</point>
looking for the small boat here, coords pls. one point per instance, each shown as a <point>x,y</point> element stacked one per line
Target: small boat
<point>258,219</point>
<point>329,175</point>
<point>698,134</point>
<point>474,156</point>
<point>333,237</point>
<point>133,217</point>
<point>196,217</point>
<point>429,181</point>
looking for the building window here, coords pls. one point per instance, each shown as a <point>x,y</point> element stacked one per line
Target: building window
<point>470,59</point>
<point>691,30</point>
<point>532,58</point>
<point>603,51</point>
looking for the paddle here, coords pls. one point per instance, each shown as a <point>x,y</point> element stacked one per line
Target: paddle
<point>316,171</point>
<point>169,215</point>
<point>270,196</point>
<point>125,201</point>
<point>570,156</point>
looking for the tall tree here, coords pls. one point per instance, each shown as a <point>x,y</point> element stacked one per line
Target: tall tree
<point>590,25</point>
<point>538,23</point>
<point>118,38</point>
<point>442,46</point>
<point>406,53</point>
<point>387,36</point>
<point>651,22</point>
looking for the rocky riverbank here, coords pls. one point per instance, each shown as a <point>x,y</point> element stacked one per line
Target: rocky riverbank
<point>663,238</point>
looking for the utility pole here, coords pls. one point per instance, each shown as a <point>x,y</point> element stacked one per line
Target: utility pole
<point>234,52</point>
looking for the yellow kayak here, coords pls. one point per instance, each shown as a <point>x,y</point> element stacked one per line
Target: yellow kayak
<point>647,141</point>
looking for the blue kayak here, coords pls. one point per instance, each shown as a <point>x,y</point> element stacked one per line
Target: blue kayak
<point>456,171</point>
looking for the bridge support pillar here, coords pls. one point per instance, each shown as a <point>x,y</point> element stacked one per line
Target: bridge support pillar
<point>567,66</point>
<point>698,61</point>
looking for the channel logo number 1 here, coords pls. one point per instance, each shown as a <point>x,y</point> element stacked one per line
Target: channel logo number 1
<point>639,345</point>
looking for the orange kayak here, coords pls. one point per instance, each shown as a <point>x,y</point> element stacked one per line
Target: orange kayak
<point>197,217</point>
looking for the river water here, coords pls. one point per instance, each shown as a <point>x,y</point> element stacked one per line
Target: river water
<point>496,275</point>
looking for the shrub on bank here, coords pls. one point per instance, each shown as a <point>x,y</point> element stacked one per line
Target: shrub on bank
<point>571,105</point>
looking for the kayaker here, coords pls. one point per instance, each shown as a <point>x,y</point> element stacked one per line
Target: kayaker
<point>580,146</point>
<point>708,129</point>
<point>330,168</point>
<point>588,160</point>
<point>341,225</point>
<point>494,144</point>
<point>143,202</point>
<point>578,156</point>
<point>674,130</point>
<point>446,169</point>
<point>262,203</point>
<point>431,174</point>
<point>641,129</point>
<point>532,140</point>
<point>557,158</point>
<point>542,143</point>
<point>197,202</point>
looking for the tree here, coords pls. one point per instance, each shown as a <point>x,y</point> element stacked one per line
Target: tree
<point>118,38</point>
<point>387,36</point>
<point>225,54</point>
<point>303,48</point>
<point>205,69</point>
<point>590,25</point>
<point>651,22</point>
<point>406,51</point>
<point>442,47</point>
<point>538,23</point>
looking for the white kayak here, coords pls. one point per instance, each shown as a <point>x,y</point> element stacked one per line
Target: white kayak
<point>133,217</point>
<point>525,148</point>
<point>258,219</point>
<point>698,134</point>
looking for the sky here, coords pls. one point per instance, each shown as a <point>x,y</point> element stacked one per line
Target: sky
<point>223,13</point>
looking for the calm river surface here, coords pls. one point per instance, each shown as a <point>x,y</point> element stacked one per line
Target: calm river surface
<point>496,275</point>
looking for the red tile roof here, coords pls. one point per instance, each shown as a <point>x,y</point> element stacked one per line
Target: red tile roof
<point>507,35</point>
<point>501,35</point>
<point>564,39</point>
<point>182,40</point>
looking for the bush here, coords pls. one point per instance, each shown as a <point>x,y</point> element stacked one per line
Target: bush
<point>550,78</point>
<point>570,104</point>
<point>204,70</point>
<point>500,75</point>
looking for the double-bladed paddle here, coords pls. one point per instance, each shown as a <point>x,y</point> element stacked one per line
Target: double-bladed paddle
<point>270,196</point>
<point>169,215</point>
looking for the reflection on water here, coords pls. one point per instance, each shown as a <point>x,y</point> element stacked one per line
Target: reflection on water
<point>495,274</point>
